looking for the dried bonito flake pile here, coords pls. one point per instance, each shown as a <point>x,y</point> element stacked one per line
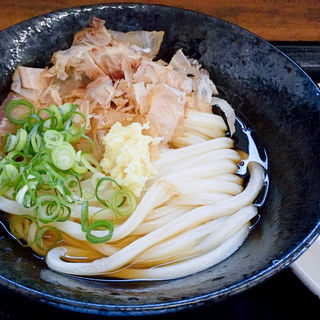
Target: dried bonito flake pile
<point>112,76</point>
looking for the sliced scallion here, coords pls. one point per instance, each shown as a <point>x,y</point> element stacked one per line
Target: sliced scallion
<point>22,136</point>
<point>100,181</point>
<point>90,162</point>
<point>53,138</point>
<point>98,225</point>
<point>79,167</point>
<point>43,165</point>
<point>84,216</point>
<point>40,235</point>
<point>64,156</point>
<point>123,202</point>
<point>35,142</point>
<point>23,117</point>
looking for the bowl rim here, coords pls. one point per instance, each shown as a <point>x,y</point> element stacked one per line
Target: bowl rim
<point>173,306</point>
<point>165,307</point>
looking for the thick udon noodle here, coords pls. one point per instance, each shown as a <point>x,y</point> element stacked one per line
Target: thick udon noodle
<point>195,214</point>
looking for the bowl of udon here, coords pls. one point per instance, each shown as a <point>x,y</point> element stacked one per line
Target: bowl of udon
<point>152,159</point>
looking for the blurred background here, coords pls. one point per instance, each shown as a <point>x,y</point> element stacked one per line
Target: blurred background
<point>273,20</point>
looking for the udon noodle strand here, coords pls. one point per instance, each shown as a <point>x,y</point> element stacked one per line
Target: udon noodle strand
<point>198,241</point>
<point>159,193</point>
<point>204,158</point>
<point>189,220</point>
<point>184,268</point>
<point>174,156</point>
<point>151,225</point>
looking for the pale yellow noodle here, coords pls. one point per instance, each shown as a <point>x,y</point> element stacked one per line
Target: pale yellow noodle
<point>173,156</point>
<point>190,266</point>
<point>204,158</point>
<point>178,225</point>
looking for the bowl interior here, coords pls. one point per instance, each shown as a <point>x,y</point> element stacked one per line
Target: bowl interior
<point>276,97</point>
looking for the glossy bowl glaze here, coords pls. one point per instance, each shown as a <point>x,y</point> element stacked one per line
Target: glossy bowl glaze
<point>278,99</point>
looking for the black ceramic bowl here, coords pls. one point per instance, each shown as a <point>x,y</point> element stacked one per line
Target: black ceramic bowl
<point>276,96</point>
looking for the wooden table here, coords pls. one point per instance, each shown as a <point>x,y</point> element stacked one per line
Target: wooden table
<point>274,20</point>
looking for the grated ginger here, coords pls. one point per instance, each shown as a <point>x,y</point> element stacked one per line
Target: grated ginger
<point>127,156</point>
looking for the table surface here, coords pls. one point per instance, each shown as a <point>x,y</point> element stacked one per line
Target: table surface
<point>273,20</point>
<point>280,298</point>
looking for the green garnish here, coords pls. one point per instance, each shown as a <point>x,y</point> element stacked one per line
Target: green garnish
<point>64,156</point>
<point>22,118</point>
<point>43,168</point>
<point>123,202</point>
<point>40,234</point>
<point>96,225</point>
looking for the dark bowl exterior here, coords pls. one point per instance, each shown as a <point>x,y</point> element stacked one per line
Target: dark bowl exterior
<point>275,95</point>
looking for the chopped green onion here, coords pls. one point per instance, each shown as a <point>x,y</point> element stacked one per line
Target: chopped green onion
<point>50,113</point>
<point>84,216</point>
<point>8,176</point>
<point>31,134</point>
<point>4,184</point>
<point>22,136</point>
<point>17,103</point>
<point>10,142</point>
<point>98,224</point>
<point>48,208</point>
<point>90,162</point>
<point>34,120</point>
<point>72,184</point>
<point>90,142</point>
<point>23,197</point>
<point>78,158</point>
<point>64,190</point>
<point>100,181</point>
<point>75,175</point>
<point>35,142</point>
<point>67,126</point>
<point>65,108</point>
<point>53,171</point>
<point>19,228</point>
<point>49,123</point>
<point>40,234</point>
<point>26,194</point>
<point>64,156</point>
<point>88,228</point>
<point>53,138</point>
<point>57,114</point>
<point>123,202</point>
<point>79,168</point>
<point>42,167</point>
<point>11,172</point>
<point>16,158</point>
<point>65,217</point>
